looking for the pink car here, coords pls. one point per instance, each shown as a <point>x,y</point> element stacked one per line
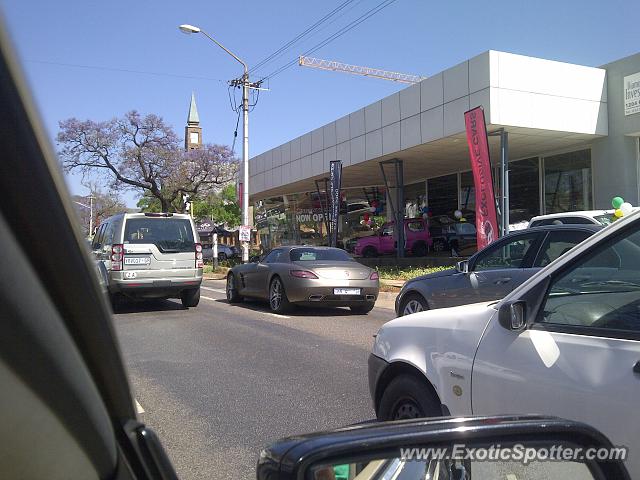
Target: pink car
<point>416,234</point>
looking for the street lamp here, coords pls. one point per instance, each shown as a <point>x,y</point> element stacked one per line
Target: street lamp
<point>246,85</point>
<point>90,207</point>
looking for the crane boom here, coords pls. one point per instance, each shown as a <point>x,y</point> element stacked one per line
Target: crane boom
<point>357,70</point>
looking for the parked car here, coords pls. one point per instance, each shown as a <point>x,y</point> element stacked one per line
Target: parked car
<point>566,343</point>
<point>494,271</point>
<point>417,239</point>
<point>224,252</point>
<point>301,275</point>
<point>68,411</point>
<point>597,217</point>
<point>459,237</point>
<point>150,255</point>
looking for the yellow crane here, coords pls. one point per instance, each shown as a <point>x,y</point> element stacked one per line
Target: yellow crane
<point>358,70</point>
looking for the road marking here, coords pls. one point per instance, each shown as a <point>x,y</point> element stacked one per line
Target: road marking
<point>277,315</point>
<point>139,408</point>
<point>511,476</point>
<point>217,290</point>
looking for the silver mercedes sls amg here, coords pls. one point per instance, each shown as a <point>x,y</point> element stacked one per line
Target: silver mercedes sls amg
<point>303,275</point>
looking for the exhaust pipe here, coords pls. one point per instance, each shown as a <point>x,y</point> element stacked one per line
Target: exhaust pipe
<point>370,297</point>
<point>315,298</point>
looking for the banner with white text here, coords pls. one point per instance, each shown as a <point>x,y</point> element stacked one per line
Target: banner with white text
<point>486,218</point>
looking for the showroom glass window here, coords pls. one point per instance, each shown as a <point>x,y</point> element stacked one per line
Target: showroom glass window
<point>567,182</point>
<point>524,190</point>
<point>467,193</point>
<point>443,194</point>
<point>415,198</point>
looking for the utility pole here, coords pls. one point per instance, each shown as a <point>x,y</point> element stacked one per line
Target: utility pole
<point>246,85</point>
<point>90,214</point>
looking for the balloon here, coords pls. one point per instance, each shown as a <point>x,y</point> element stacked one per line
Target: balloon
<point>618,213</point>
<point>372,209</point>
<point>617,202</point>
<point>626,208</point>
<point>366,217</point>
<point>458,214</point>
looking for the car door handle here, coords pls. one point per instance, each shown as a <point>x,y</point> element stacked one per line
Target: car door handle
<point>636,367</point>
<point>502,281</point>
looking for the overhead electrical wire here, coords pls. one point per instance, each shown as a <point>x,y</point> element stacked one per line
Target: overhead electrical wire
<point>298,37</point>
<point>124,70</point>
<point>333,37</point>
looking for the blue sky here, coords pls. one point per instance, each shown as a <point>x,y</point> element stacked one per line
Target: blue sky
<point>412,36</point>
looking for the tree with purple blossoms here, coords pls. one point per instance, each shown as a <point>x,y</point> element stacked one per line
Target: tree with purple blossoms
<point>144,153</point>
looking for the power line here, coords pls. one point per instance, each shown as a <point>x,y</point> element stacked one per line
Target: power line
<point>335,36</point>
<point>124,70</point>
<point>298,37</point>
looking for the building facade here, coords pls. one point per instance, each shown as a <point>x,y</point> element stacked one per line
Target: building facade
<point>573,145</point>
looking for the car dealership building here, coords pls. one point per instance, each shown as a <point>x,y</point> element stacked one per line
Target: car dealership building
<point>572,145</point>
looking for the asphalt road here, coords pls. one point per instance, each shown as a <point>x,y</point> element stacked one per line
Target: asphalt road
<point>219,382</point>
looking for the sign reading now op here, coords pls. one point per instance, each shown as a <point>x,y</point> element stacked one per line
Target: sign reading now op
<point>632,94</point>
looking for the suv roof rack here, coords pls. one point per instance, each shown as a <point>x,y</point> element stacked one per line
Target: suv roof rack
<point>147,214</point>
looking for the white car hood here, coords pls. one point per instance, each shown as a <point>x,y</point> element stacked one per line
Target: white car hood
<point>456,330</point>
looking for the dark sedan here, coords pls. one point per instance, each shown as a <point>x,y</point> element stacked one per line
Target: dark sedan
<point>320,276</point>
<point>494,271</point>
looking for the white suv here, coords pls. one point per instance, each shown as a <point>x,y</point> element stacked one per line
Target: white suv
<point>149,255</point>
<point>564,343</point>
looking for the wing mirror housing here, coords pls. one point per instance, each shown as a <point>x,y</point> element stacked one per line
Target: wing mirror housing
<point>463,266</point>
<point>439,448</point>
<point>512,315</point>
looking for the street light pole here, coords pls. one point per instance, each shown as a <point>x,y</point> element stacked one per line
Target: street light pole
<point>246,85</point>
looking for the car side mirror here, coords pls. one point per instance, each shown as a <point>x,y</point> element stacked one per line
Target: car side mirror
<point>512,315</point>
<point>463,266</point>
<point>443,448</point>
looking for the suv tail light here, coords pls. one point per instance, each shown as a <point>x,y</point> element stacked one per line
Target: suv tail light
<point>302,274</point>
<point>374,276</point>
<point>199,261</point>
<point>117,256</point>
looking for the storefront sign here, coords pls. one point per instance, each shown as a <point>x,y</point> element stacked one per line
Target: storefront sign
<point>335,181</point>
<point>308,215</point>
<point>486,219</point>
<point>632,94</point>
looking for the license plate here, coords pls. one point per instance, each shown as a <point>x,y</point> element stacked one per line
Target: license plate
<point>137,260</point>
<point>346,291</point>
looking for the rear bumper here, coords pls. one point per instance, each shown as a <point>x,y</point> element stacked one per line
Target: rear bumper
<point>154,287</point>
<point>316,292</point>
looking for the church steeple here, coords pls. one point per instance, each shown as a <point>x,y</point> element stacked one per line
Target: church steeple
<point>193,118</point>
<point>193,131</point>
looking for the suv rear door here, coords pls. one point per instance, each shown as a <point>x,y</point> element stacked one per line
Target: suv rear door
<point>159,243</point>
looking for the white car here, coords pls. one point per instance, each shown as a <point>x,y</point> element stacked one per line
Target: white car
<point>565,343</point>
<point>596,217</point>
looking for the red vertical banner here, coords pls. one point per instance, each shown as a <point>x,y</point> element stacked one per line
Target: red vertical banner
<point>486,218</point>
<point>240,191</point>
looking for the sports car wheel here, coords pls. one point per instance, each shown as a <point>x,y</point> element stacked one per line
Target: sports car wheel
<point>278,301</point>
<point>231,290</point>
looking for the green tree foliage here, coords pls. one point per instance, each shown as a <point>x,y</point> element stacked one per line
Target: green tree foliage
<point>220,207</point>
